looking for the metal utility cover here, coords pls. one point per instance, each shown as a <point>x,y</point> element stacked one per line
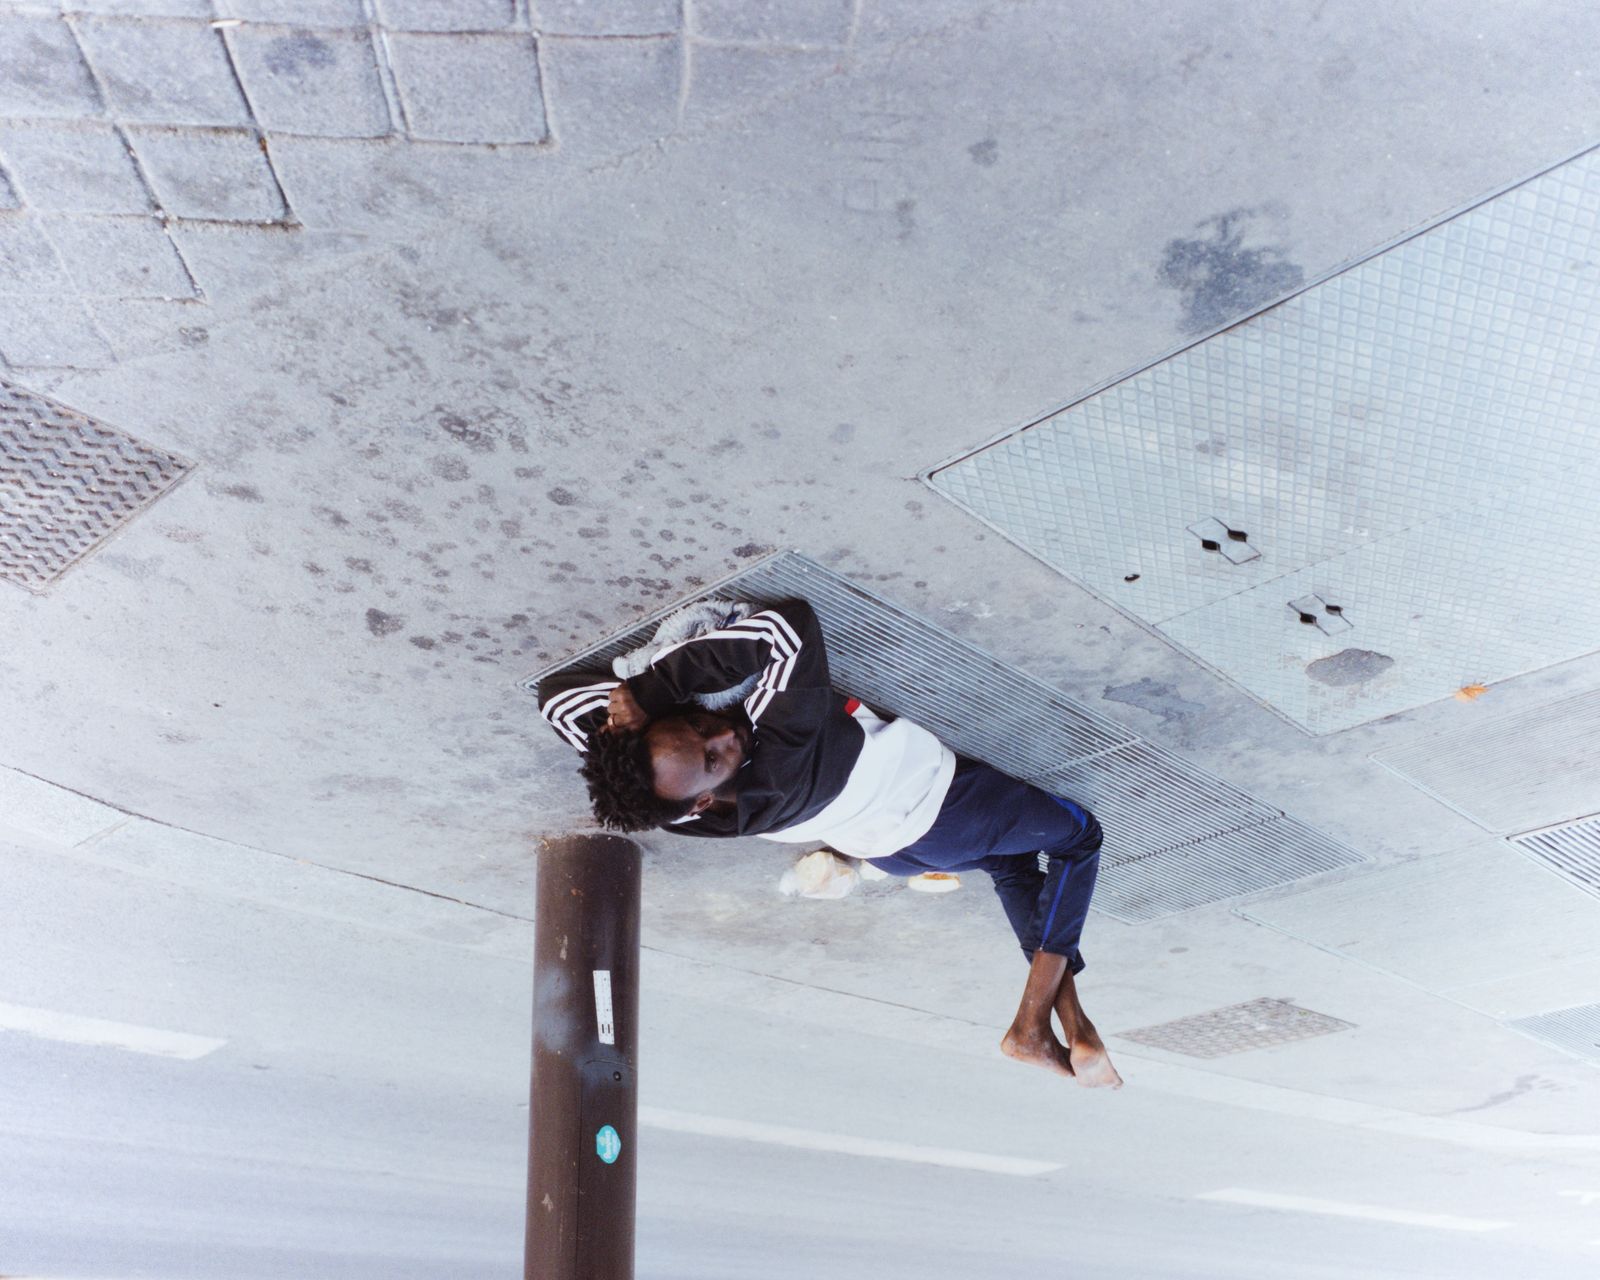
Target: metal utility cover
<point>1176,838</point>
<point>1576,1030</point>
<point>1410,440</point>
<point>1571,850</point>
<point>1512,773</point>
<point>66,484</point>
<point>1257,1024</point>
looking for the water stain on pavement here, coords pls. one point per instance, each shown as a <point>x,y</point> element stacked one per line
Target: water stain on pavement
<point>1349,667</point>
<point>1222,280</point>
<point>1156,698</point>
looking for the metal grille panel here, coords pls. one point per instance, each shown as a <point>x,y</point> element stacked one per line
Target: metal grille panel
<point>1153,800</point>
<point>1572,851</point>
<point>1575,1030</point>
<point>1214,869</point>
<point>1409,438</point>
<point>1176,837</point>
<point>66,484</point>
<point>1257,1024</point>
<point>1517,773</point>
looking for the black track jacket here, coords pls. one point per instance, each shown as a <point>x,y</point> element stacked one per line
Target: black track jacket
<point>806,741</point>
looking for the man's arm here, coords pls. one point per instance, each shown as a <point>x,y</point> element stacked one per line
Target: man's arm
<point>782,644</point>
<point>576,702</point>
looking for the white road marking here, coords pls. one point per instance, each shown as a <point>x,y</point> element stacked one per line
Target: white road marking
<point>1341,1209</point>
<point>69,1027</point>
<point>1585,1198</point>
<point>839,1143</point>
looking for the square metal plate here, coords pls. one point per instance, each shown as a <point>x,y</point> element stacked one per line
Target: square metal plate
<point>67,483</point>
<point>1410,440</point>
<point>1257,1024</point>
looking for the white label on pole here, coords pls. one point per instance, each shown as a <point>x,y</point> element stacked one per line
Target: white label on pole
<point>602,1006</point>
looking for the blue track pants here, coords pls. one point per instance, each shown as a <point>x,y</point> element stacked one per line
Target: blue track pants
<point>1041,852</point>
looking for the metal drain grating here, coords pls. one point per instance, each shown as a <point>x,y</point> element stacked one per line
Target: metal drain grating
<point>1213,869</point>
<point>1403,440</point>
<point>1176,838</point>
<point>1153,800</point>
<point>1517,773</point>
<point>1571,850</point>
<point>1575,1030</point>
<point>66,484</point>
<point>1257,1024</point>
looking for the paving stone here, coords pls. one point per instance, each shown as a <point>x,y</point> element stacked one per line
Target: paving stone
<point>164,73</point>
<point>234,261</point>
<point>610,96</point>
<point>447,15</point>
<point>41,71</point>
<point>142,8</point>
<point>121,257</point>
<point>323,83</point>
<point>610,17</point>
<point>211,173</point>
<point>774,21</point>
<point>51,333</point>
<point>28,264</point>
<point>73,167</point>
<point>730,78</point>
<point>304,13</point>
<point>392,189</point>
<point>469,88</point>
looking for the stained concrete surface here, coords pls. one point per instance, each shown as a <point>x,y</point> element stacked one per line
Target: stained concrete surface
<point>461,409</point>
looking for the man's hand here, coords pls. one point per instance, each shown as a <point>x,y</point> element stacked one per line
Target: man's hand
<point>624,710</point>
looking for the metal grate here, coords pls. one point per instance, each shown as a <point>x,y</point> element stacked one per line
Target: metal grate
<point>66,484</point>
<point>1176,838</point>
<point>1517,773</point>
<point>1575,1030</point>
<point>1153,800</point>
<point>1406,439</point>
<point>1257,1024</point>
<point>1214,869</point>
<point>1571,850</point>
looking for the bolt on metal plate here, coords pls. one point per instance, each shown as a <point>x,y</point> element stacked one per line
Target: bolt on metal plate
<point>1233,545</point>
<point>1328,618</point>
<point>1257,1024</point>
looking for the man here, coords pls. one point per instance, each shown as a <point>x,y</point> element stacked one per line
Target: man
<point>797,762</point>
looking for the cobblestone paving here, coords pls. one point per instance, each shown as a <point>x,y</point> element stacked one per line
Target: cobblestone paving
<point>128,126</point>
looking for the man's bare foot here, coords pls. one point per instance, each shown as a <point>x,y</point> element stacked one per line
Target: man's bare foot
<point>1091,1064</point>
<point>1039,1048</point>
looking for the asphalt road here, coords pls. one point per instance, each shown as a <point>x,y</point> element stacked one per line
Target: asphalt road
<point>364,1116</point>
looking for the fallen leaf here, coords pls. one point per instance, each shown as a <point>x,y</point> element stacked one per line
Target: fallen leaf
<point>1471,692</point>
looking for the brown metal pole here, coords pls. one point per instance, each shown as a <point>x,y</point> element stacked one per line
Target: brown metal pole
<point>583,1100</point>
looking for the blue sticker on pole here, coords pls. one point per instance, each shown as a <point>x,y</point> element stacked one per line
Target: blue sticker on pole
<point>607,1144</point>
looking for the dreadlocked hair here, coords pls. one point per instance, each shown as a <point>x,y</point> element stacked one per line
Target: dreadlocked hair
<point>621,781</point>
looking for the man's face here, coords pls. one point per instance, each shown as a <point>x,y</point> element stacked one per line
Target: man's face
<point>695,757</point>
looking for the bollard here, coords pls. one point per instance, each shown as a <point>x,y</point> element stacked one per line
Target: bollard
<point>583,1097</point>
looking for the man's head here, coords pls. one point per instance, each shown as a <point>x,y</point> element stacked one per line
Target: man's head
<point>677,765</point>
